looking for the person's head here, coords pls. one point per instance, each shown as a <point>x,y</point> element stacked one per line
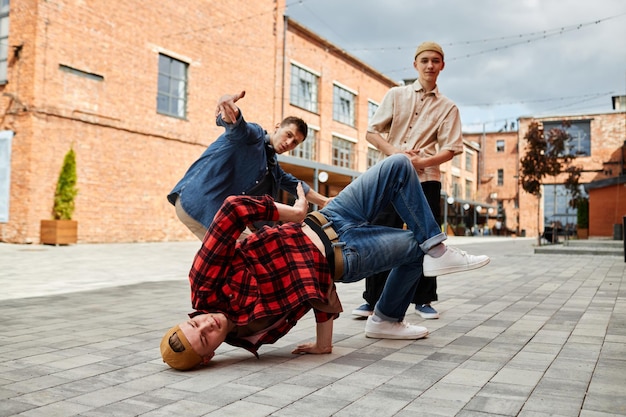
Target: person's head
<point>194,341</point>
<point>429,61</point>
<point>291,132</point>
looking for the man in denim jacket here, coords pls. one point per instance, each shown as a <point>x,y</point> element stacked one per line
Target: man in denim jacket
<point>242,161</point>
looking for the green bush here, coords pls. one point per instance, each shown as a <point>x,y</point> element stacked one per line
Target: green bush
<point>66,188</point>
<point>582,213</point>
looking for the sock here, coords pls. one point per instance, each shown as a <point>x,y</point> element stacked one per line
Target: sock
<point>437,251</point>
<point>376,319</point>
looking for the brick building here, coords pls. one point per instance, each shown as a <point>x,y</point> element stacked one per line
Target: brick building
<point>131,86</point>
<point>498,169</point>
<point>598,142</point>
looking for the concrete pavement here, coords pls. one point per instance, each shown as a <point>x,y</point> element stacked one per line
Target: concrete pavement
<point>529,335</point>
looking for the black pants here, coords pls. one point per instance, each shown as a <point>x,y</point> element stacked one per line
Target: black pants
<point>426,291</point>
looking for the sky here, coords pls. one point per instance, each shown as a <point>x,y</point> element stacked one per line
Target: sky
<point>504,59</point>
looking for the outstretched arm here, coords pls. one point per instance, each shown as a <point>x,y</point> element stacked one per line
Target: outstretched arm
<point>324,341</point>
<point>317,198</point>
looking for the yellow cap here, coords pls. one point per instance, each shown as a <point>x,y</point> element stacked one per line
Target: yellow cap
<point>181,355</point>
<point>429,46</point>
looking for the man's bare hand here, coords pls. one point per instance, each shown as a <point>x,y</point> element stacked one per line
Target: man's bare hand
<point>298,211</point>
<point>227,108</point>
<point>312,348</point>
<point>301,205</point>
<point>418,160</point>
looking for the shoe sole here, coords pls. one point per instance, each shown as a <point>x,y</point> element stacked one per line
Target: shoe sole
<point>428,316</point>
<point>362,313</point>
<point>373,335</point>
<point>453,269</point>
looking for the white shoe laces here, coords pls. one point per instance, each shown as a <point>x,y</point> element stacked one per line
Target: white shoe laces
<point>457,250</point>
<point>402,324</point>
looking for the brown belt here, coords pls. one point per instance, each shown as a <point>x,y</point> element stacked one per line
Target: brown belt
<point>334,255</point>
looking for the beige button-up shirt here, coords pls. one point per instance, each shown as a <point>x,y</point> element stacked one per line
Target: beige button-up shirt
<point>411,119</point>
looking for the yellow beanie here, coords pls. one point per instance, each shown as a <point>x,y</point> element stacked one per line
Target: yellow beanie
<point>429,46</point>
<point>177,356</point>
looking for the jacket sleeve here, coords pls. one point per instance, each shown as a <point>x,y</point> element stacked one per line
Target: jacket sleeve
<point>289,182</point>
<point>241,131</point>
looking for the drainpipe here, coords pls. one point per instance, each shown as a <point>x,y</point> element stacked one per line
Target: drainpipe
<point>282,89</point>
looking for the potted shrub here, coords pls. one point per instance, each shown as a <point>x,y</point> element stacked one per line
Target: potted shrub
<point>62,230</point>
<point>582,218</point>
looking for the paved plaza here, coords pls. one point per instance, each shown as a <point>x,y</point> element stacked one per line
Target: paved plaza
<point>529,335</point>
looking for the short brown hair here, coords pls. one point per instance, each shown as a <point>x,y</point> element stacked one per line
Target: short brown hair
<point>301,125</point>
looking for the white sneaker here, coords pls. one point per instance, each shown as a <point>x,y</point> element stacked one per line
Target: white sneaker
<point>393,330</point>
<point>453,260</point>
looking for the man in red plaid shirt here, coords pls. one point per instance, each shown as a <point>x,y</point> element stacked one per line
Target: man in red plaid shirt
<point>252,292</point>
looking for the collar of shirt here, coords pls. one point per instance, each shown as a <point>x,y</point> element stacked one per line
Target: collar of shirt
<point>420,89</point>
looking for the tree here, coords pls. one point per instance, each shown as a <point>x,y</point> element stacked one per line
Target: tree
<point>66,189</point>
<point>544,156</point>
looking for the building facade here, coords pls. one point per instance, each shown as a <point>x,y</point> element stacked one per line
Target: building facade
<point>132,86</point>
<point>498,185</point>
<point>598,145</point>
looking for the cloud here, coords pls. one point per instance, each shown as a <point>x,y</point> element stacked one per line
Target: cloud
<point>533,56</point>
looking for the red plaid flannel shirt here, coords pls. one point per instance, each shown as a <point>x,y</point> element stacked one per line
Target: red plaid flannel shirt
<point>275,272</point>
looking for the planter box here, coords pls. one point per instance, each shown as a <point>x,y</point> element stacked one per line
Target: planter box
<point>58,232</point>
<point>582,233</point>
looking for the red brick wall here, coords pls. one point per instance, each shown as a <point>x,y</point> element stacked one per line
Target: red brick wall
<point>608,133</point>
<point>607,206</point>
<point>491,162</point>
<point>129,156</point>
<point>308,50</point>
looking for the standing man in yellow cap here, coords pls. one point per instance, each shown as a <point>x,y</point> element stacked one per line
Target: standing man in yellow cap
<point>418,120</point>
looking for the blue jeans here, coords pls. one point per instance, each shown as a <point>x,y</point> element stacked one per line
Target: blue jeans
<point>369,248</point>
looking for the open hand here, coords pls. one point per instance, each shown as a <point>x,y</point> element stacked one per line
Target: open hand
<point>301,205</point>
<point>312,348</point>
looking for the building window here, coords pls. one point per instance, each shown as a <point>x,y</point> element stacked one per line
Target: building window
<point>6,137</point>
<point>306,150</point>
<point>456,161</point>
<point>469,161</point>
<point>371,110</point>
<point>580,133</point>
<point>4,39</point>
<point>343,105</point>
<point>303,92</point>
<point>172,88</point>
<point>374,156</point>
<point>342,152</point>
<point>456,188</point>
<point>469,189</point>
<point>500,177</point>
<point>499,145</point>
<point>556,207</point>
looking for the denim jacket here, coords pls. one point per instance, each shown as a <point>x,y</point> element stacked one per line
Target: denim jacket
<point>232,165</point>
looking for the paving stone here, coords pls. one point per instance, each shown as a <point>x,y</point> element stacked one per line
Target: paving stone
<point>531,335</point>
